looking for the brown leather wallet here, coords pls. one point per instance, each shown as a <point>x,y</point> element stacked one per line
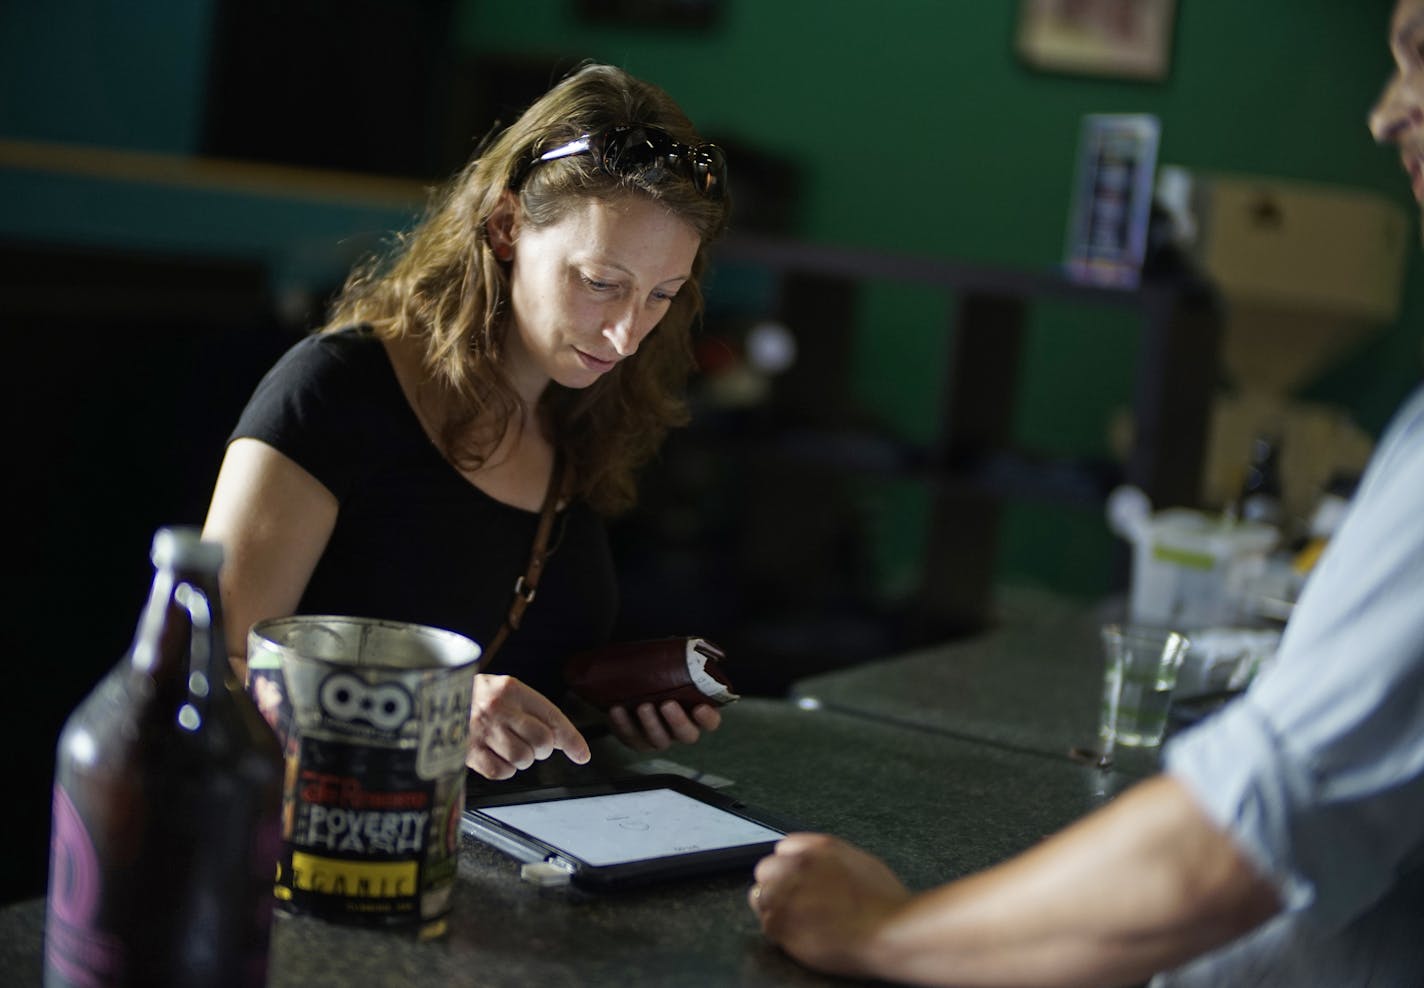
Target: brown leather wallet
<point>688,670</point>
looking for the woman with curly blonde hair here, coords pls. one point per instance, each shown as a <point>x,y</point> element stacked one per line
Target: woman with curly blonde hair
<point>530,339</point>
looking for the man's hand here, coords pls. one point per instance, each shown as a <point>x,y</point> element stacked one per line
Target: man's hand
<point>512,726</point>
<point>1138,886</point>
<point>650,728</point>
<point>823,900</point>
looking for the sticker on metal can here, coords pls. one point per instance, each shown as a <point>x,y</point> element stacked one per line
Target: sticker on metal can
<point>377,730</point>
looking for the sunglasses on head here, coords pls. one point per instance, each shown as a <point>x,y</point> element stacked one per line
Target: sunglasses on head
<point>632,149</point>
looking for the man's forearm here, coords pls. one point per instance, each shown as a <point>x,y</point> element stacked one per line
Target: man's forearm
<point>1137,887</point>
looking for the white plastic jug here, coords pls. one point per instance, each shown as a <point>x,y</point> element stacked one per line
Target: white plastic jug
<point>1190,569</point>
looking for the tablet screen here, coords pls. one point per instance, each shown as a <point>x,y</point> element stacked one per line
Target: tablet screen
<point>631,826</point>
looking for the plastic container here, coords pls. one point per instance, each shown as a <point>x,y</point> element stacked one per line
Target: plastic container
<point>1195,570</point>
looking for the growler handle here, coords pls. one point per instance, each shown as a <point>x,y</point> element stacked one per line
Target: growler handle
<point>194,600</point>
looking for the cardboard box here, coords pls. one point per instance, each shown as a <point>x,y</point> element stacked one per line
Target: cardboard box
<point>1306,271</point>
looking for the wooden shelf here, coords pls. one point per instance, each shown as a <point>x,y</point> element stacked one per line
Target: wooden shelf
<point>972,466</point>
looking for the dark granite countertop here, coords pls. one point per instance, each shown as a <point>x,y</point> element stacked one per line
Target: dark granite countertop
<point>1032,684</point>
<point>935,806</point>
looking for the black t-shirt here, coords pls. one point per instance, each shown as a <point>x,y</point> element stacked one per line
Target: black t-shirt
<point>414,540</point>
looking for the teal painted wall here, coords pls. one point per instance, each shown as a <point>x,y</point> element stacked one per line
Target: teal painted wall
<point>920,131</point>
<point>132,75</point>
<point>116,74</point>
<point>874,94</point>
<point>916,127</point>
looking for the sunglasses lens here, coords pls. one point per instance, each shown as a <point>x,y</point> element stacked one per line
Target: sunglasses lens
<point>633,150</point>
<point>709,170</point>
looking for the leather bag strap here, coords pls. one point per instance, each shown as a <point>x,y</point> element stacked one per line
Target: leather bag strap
<point>527,584</point>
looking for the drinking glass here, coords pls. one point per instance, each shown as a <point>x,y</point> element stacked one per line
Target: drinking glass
<point>1139,674</point>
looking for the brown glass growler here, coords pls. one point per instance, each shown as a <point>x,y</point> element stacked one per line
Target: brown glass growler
<point>167,803</point>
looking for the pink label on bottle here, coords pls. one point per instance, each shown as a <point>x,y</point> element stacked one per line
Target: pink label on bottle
<point>74,947</point>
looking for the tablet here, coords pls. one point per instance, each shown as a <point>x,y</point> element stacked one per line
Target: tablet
<point>623,832</point>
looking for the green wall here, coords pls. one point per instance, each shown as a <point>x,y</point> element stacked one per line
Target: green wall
<point>132,75</point>
<point>116,74</point>
<point>918,130</point>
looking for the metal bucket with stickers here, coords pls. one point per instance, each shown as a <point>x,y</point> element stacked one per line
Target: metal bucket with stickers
<point>374,717</point>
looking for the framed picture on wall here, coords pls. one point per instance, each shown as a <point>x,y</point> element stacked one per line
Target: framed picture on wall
<point>1129,39</point>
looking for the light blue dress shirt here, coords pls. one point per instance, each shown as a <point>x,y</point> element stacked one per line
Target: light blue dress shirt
<point>1318,771</point>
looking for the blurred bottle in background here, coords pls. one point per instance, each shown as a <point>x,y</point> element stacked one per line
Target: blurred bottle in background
<point>1260,498</point>
<point>167,796</point>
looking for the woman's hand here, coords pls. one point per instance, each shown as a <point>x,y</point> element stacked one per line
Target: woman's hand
<point>650,728</point>
<point>512,726</point>
<point>824,900</point>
